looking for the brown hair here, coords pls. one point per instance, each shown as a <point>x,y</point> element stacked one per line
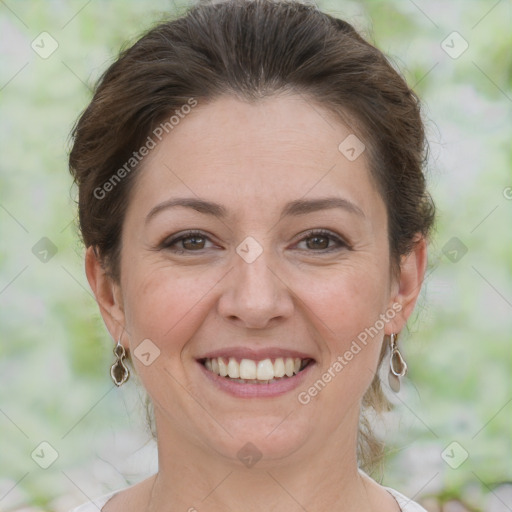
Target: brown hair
<point>252,49</point>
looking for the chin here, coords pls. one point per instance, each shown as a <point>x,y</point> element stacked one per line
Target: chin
<point>262,441</point>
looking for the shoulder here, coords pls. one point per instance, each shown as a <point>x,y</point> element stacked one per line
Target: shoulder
<point>130,498</point>
<point>406,504</point>
<point>96,504</point>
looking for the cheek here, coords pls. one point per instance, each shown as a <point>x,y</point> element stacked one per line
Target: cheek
<point>347,303</point>
<point>167,307</point>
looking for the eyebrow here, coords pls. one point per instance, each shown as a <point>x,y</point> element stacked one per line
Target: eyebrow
<point>293,208</point>
<point>305,206</point>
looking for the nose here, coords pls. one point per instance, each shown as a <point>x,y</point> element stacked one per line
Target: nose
<point>255,295</point>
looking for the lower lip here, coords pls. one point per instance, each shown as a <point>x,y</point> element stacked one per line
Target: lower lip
<point>240,390</point>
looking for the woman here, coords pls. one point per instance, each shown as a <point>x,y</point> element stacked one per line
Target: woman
<point>252,201</point>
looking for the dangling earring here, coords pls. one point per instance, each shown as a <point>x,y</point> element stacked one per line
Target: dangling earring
<point>118,371</point>
<point>397,365</point>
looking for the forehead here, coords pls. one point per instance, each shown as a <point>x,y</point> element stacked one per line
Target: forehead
<point>266,152</point>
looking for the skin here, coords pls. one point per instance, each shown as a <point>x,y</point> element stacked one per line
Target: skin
<point>253,159</point>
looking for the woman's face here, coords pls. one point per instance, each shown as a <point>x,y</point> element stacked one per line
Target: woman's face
<point>289,259</point>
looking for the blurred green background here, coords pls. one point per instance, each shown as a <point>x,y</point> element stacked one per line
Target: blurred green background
<point>450,434</point>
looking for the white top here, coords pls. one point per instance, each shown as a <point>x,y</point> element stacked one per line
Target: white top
<point>406,505</point>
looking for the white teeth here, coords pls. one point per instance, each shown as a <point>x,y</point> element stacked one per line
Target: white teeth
<point>279,367</point>
<point>289,365</point>
<point>223,369</point>
<point>247,369</point>
<point>265,370</point>
<point>253,372</point>
<point>233,368</point>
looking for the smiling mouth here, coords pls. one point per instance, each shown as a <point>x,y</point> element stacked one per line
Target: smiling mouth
<point>249,371</point>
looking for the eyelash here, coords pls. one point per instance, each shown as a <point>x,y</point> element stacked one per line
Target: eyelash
<point>168,243</point>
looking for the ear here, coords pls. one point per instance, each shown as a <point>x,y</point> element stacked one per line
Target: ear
<point>107,292</point>
<point>412,273</point>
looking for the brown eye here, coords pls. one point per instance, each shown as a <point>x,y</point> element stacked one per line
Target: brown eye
<point>318,242</point>
<point>192,243</point>
<point>186,242</point>
<point>322,241</point>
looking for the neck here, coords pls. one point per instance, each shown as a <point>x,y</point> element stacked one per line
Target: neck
<point>318,477</point>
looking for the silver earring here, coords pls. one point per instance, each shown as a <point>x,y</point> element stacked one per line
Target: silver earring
<point>118,371</point>
<point>397,365</point>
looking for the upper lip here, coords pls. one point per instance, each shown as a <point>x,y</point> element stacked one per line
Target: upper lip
<point>256,354</point>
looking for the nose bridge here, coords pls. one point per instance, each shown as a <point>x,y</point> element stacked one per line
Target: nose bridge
<point>257,279</point>
<point>255,294</point>
<point>255,282</point>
